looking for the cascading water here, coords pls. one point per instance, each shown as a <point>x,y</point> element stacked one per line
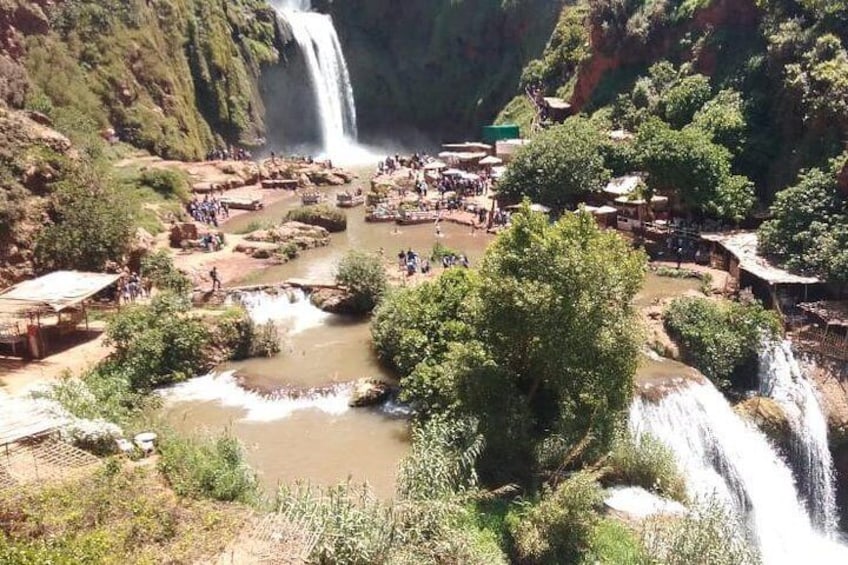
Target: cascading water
<point>329,79</point>
<point>782,380</point>
<point>721,456</point>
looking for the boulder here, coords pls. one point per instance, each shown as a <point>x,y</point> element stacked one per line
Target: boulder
<point>185,231</point>
<point>302,235</point>
<point>369,392</point>
<point>333,300</point>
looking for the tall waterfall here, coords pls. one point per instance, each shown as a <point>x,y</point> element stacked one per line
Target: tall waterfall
<point>782,380</point>
<point>329,79</point>
<point>722,456</point>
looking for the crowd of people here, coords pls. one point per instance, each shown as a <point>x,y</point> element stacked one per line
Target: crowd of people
<point>411,262</point>
<point>208,211</point>
<point>131,287</point>
<point>229,154</point>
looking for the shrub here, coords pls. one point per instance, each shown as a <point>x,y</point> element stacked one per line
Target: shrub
<point>157,344</point>
<point>242,338</point>
<point>331,219</point>
<point>158,268</point>
<point>558,528</point>
<point>364,276</point>
<point>169,183</point>
<point>290,250</point>
<point>648,463</point>
<point>709,533</point>
<point>208,467</point>
<point>719,339</point>
<point>440,251</point>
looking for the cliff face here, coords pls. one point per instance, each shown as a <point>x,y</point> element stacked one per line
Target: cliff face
<point>173,77</point>
<point>441,67</point>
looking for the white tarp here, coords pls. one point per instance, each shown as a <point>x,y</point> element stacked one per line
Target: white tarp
<point>58,290</point>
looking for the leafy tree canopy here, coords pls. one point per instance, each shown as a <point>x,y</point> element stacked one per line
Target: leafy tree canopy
<point>698,170</point>
<point>808,231</point>
<point>559,167</point>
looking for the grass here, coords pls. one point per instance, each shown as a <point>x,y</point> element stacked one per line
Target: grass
<point>121,514</point>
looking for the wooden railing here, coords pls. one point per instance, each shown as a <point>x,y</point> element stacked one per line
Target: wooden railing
<point>829,344</point>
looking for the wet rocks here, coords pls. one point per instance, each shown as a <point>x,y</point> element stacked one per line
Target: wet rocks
<point>769,417</point>
<point>300,234</point>
<point>334,300</point>
<point>369,392</point>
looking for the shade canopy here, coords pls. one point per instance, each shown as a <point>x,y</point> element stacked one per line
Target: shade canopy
<point>435,166</point>
<point>452,172</point>
<point>54,292</point>
<point>490,161</point>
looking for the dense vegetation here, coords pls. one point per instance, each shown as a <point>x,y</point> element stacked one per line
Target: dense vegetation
<point>721,339</point>
<point>730,102</point>
<point>170,77</point>
<point>540,352</point>
<point>364,277</point>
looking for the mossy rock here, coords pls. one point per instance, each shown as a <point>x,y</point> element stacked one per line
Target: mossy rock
<point>769,417</point>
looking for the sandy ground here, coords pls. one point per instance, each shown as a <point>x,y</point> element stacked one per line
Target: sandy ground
<point>18,377</point>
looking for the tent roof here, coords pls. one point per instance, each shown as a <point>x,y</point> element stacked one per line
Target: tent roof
<point>623,186</point>
<point>557,103</point>
<point>601,210</point>
<point>22,418</point>
<point>490,161</point>
<point>743,246</point>
<point>56,291</point>
<point>467,146</point>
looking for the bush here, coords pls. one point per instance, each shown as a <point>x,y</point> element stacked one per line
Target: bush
<point>416,324</point>
<point>240,336</point>
<point>646,462</point>
<point>169,183</point>
<point>90,226</point>
<point>440,251</point>
<point>719,339</point>
<point>364,276</point>
<point>331,219</point>
<point>157,344</point>
<point>158,268</point>
<point>559,527</point>
<point>208,467</point>
<point>708,534</point>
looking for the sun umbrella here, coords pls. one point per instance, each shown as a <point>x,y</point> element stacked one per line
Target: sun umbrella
<point>490,161</point>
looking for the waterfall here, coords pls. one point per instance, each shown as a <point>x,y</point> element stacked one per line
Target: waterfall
<point>290,309</point>
<point>329,79</point>
<point>722,456</point>
<point>782,380</point>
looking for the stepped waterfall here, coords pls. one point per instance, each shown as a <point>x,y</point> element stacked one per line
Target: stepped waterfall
<point>782,380</point>
<point>327,71</point>
<point>724,457</point>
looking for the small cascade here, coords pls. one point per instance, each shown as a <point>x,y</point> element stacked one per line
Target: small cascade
<point>723,457</point>
<point>782,380</point>
<point>291,309</point>
<point>636,502</point>
<point>224,389</point>
<point>329,79</point>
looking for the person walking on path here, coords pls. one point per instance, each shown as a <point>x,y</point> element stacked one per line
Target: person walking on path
<point>216,282</point>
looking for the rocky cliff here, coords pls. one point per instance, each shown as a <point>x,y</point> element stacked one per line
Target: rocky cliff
<point>441,67</point>
<point>174,77</point>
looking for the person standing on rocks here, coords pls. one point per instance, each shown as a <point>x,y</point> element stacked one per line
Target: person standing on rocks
<point>216,281</point>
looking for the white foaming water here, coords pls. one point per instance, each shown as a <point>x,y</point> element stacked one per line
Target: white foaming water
<point>639,503</point>
<point>328,75</point>
<point>782,380</point>
<point>291,309</point>
<point>225,390</point>
<point>724,457</point>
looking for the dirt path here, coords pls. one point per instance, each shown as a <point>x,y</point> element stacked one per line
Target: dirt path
<point>18,377</point>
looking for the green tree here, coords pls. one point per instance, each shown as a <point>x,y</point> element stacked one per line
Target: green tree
<point>554,308</point>
<point>559,167</point>
<point>723,118</point>
<point>365,277</point>
<point>89,225</point>
<point>698,170</point>
<point>680,102</point>
<point>808,231</point>
<point>158,268</point>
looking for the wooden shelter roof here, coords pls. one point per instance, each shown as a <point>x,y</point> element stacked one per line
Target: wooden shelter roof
<point>743,245</point>
<point>54,292</point>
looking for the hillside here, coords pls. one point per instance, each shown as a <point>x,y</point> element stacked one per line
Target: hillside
<point>442,68</point>
<point>757,89</point>
<point>172,77</point>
